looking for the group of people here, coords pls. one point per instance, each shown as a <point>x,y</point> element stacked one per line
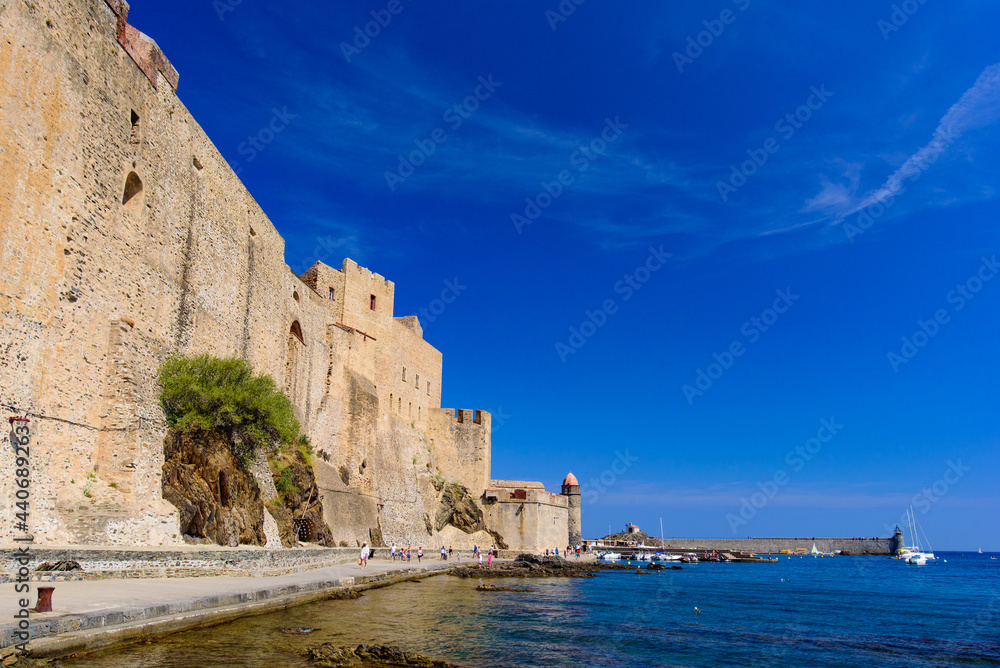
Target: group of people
<point>567,552</point>
<point>407,554</point>
<point>476,554</point>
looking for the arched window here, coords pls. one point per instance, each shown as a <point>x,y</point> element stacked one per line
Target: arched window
<point>133,186</point>
<point>296,331</point>
<point>372,302</point>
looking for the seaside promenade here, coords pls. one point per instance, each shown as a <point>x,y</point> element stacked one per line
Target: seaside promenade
<point>89,615</point>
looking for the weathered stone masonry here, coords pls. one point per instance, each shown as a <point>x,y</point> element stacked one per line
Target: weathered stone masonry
<point>125,237</point>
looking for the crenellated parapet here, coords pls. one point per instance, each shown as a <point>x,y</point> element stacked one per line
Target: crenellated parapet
<point>142,49</point>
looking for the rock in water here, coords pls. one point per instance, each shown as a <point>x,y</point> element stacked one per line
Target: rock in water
<point>369,656</point>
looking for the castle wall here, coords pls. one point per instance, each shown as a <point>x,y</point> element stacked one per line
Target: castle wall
<point>529,519</point>
<point>104,279</point>
<point>461,445</point>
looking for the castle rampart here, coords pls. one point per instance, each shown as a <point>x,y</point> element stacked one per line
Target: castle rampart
<point>461,442</point>
<point>528,517</point>
<point>127,237</point>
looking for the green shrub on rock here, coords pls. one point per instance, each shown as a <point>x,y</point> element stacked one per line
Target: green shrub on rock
<point>206,392</point>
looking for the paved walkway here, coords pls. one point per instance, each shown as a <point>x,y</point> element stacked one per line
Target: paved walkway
<point>90,614</point>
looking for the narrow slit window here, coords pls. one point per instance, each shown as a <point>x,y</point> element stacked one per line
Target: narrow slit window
<point>332,293</point>
<point>372,302</point>
<point>404,373</point>
<point>416,383</point>
<point>133,137</point>
<point>428,388</point>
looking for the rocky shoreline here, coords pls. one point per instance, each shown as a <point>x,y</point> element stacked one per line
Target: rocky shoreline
<point>524,565</point>
<point>535,566</point>
<point>369,656</point>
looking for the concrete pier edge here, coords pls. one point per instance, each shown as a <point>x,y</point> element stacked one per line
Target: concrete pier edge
<point>105,629</point>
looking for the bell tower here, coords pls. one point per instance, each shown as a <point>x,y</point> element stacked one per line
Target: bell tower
<point>571,489</point>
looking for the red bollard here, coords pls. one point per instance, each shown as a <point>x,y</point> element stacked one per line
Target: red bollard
<point>44,599</point>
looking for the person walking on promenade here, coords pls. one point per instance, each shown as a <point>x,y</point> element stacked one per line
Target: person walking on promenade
<point>420,553</point>
<point>489,562</point>
<point>450,552</point>
<point>444,554</point>
<point>364,555</point>
<point>408,554</point>
<point>480,559</point>
<point>392,552</point>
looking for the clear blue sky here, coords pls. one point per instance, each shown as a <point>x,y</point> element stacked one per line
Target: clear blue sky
<point>893,118</point>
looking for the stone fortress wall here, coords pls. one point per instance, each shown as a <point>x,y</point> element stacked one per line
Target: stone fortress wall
<point>527,515</point>
<point>126,237</point>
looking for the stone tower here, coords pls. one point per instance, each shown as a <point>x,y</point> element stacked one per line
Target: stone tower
<point>897,542</point>
<point>571,490</point>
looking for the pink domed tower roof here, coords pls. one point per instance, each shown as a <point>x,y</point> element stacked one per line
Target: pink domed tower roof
<point>570,479</point>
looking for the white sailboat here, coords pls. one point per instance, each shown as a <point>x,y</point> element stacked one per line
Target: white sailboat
<point>915,555</point>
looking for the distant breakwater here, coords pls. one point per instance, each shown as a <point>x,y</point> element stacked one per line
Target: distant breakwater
<point>865,546</point>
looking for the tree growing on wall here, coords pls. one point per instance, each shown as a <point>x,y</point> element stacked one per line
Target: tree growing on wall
<point>206,392</point>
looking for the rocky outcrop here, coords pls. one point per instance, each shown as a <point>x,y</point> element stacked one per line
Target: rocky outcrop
<point>300,514</point>
<point>369,656</point>
<point>459,509</point>
<point>486,587</point>
<point>217,499</point>
<point>534,566</point>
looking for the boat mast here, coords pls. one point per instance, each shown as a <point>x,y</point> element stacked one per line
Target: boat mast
<point>909,522</point>
<point>921,530</point>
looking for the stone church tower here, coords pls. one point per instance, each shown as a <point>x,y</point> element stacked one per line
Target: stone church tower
<point>571,490</point>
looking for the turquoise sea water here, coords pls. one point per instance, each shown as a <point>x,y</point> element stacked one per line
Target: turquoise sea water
<point>831,611</point>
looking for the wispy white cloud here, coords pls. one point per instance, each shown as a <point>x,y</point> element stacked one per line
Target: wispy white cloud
<point>979,106</point>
